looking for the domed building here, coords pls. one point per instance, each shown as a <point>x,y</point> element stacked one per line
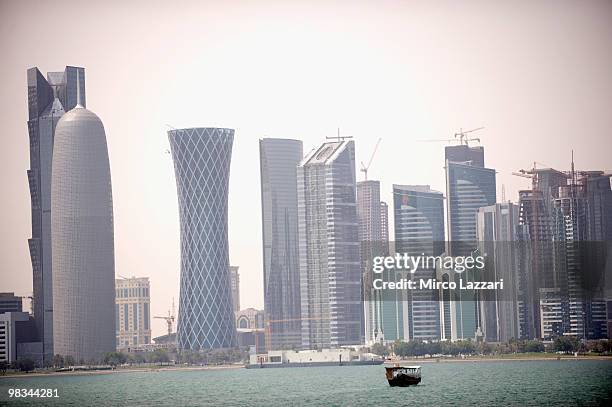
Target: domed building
<point>82,239</point>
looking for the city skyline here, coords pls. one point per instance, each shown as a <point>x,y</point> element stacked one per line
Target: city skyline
<point>411,105</point>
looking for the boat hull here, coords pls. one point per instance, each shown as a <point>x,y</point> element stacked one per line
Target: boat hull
<point>404,381</point>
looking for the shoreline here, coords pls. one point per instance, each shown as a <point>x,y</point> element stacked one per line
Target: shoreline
<point>147,369</point>
<point>505,359</point>
<point>157,369</point>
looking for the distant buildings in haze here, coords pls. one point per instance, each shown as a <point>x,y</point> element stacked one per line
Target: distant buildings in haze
<point>235,285</point>
<point>320,230</point>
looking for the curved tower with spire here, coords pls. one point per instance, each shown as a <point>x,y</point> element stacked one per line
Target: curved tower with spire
<point>49,97</point>
<point>82,238</point>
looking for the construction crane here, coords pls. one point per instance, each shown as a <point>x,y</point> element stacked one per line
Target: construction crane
<point>464,139</point>
<point>437,140</point>
<point>169,319</point>
<point>461,136</point>
<point>530,173</point>
<point>527,174</point>
<point>364,168</point>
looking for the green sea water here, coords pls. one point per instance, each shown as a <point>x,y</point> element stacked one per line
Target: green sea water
<point>520,383</point>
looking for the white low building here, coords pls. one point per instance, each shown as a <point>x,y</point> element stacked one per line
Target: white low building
<point>312,356</point>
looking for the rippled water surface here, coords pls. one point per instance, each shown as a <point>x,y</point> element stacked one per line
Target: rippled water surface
<point>462,383</point>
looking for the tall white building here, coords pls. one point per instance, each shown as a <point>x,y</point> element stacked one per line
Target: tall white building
<point>330,270</point>
<point>132,311</point>
<point>82,238</point>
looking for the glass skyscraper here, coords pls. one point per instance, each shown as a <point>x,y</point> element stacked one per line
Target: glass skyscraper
<point>419,230</point>
<point>497,240</point>
<point>540,303</point>
<point>580,220</point>
<point>278,159</point>
<point>330,269</point>
<point>48,99</point>
<point>202,167</point>
<point>469,186</point>
<point>373,236</point>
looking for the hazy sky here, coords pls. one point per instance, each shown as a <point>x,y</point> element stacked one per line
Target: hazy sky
<point>537,75</point>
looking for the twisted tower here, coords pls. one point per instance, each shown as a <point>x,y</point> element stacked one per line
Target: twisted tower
<point>201,164</point>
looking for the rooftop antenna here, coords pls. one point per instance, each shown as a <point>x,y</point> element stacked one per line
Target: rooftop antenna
<point>503,193</point>
<point>338,137</point>
<point>573,177</point>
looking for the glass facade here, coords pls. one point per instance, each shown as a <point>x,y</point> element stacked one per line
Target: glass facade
<point>201,164</point>
<point>498,311</point>
<point>468,189</point>
<point>469,186</point>
<point>48,100</point>
<point>329,253</point>
<point>278,160</point>
<point>419,230</point>
<point>373,236</point>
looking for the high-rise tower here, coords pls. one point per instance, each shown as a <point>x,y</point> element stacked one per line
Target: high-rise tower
<point>419,230</point>
<point>82,238</point>
<point>201,165</point>
<point>373,236</point>
<point>330,269</point>
<point>278,160</point>
<point>469,186</point>
<point>498,309</point>
<point>48,99</point>
<point>539,270</point>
